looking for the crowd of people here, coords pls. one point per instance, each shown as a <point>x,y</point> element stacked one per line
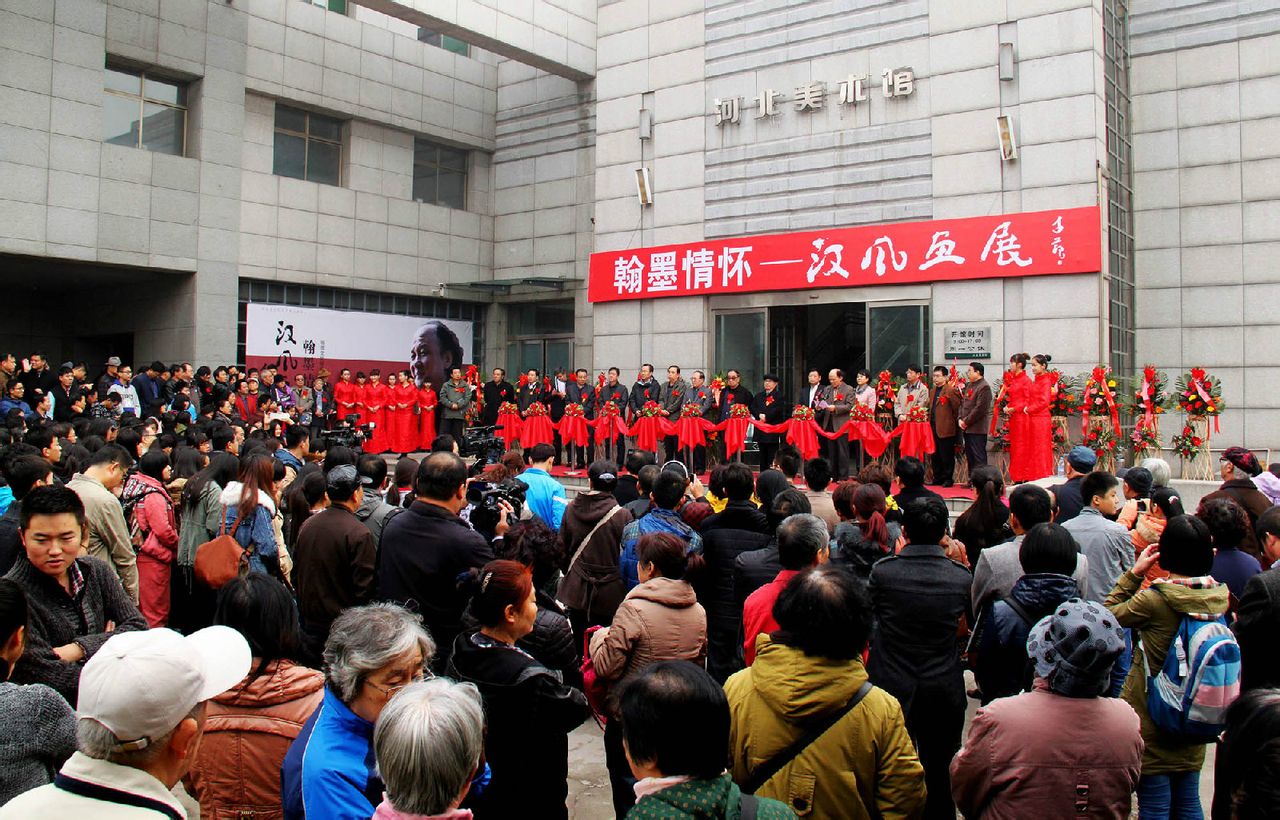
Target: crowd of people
<point>418,638</point>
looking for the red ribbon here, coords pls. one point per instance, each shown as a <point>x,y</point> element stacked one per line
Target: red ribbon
<point>917,438</point>
<point>536,430</point>
<point>510,427</point>
<point>573,430</point>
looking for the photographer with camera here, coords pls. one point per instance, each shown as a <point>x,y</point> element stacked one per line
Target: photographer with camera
<point>426,549</point>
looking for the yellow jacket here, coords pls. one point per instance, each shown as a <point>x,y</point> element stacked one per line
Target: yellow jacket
<point>865,766</point>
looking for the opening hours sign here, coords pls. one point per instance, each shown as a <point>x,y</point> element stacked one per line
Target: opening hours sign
<point>981,247</point>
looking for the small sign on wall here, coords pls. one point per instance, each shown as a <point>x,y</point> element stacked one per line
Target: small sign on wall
<point>967,342</point>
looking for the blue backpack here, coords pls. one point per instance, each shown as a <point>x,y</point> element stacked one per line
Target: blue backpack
<point>1189,696</point>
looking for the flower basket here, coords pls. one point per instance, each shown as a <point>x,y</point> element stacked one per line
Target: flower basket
<point>1064,401</point>
<point>508,407</point>
<point>537,408</point>
<point>1145,438</point>
<point>690,411</point>
<point>740,411</point>
<point>650,409</point>
<point>1150,396</point>
<point>574,410</point>
<point>1061,437</point>
<point>917,413</point>
<point>717,383</point>
<point>861,412</point>
<point>1199,394</point>
<point>802,412</point>
<point>1099,400</point>
<point>1193,448</point>
<point>1101,438</point>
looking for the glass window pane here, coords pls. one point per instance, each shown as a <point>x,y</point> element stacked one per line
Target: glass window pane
<point>290,153</point>
<point>454,44</point>
<point>559,355</point>
<point>453,158</point>
<point>120,120</point>
<point>429,36</point>
<point>122,81</point>
<point>290,118</point>
<point>740,345</point>
<point>452,189</point>
<point>897,337</point>
<point>323,162</point>
<point>326,128</point>
<point>162,91</point>
<point>162,128</point>
<point>424,184</point>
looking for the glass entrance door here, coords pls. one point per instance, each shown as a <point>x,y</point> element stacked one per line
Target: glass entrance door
<point>898,336</point>
<point>740,345</point>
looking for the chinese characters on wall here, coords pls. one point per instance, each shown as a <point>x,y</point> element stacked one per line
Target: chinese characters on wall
<point>967,343</point>
<point>1024,244</point>
<point>812,96</point>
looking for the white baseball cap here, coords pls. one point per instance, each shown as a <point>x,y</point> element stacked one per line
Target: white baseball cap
<point>141,685</point>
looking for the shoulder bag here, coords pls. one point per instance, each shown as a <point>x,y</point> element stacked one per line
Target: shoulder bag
<point>222,559</point>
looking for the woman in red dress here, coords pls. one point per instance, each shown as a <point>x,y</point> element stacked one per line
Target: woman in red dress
<point>1017,395</point>
<point>376,398</point>
<point>344,396</point>
<point>1040,398</point>
<point>427,401</point>
<point>357,394</point>
<point>404,427</point>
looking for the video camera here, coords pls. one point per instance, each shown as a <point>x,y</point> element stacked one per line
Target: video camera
<point>346,433</point>
<point>482,442</point>
<point>486,497</point>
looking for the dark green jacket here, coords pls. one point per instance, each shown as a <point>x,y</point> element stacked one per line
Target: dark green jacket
<point>715,799</point>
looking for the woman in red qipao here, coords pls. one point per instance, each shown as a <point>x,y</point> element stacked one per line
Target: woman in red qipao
<point>427,401</point>
<point>376,398</point>
<point>403,423</point>
<point>1039,399</point>
<point>344,395</point>
<point>1017,395</point>
<point>357,393</point>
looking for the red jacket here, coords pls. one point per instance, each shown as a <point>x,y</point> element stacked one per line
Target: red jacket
<point>154,515</point>
<point>757,612</point>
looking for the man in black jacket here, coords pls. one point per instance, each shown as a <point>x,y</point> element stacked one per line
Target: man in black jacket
<point>617,394</point>
<point>495,393</point>
<point>1258,612</point>
<point>1066,497</point>
<point>919,597</point>
<point>769,407</point>
<point>739,528</point>
<point>427,548</point>
<point>581,392</point>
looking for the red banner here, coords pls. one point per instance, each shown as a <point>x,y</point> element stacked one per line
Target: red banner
<point>981,247</point>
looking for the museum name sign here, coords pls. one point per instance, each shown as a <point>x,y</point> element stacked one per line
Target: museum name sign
<point>981,247</point>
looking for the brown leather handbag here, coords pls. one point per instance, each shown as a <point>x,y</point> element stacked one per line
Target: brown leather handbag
<point>222,559</point>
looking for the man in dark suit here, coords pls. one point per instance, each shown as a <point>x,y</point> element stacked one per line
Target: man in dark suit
<point>581,392</point>
<point>814,394</point>
<point>1258,612</point>
<point>838,402</point>
<point>616,393</point>
<point>672,396</point>
<point>532,390</point>
<point>919,597</point>
<point>769,407</point>
<point>975,416</point>
<point>700,394</point>
<point>495,393</point>
<point>732,393</point>
<point>944,406</point>
<point>555,403</point>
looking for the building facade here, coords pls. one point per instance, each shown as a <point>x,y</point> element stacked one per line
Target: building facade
<point>176,161</point>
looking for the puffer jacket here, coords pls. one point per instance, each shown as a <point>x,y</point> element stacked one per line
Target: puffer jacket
<point>246,735</point>
<point>592,584</point>
<point>1089,767</point>
<point>864,766</point>
<point>725,536</point>
<point>1157,613</point>
<point>660,620</point>
<point>1002,667</point>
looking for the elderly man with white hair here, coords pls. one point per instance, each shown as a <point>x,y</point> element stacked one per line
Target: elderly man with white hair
<point>141,713</point>
<point>372,653</point>
<point>428,742</point>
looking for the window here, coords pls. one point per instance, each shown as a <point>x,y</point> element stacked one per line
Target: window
<point>142,111</point>
<point>339,6</point>
<point>1121,287</point>
<point>308,146</point>
<point>439,174</point>
<point>435,38</point>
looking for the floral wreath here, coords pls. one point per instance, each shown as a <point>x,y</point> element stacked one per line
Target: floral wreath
<point>1200,394</point>
<point>1186,444</point>
<point>1064,401</point>
<point>1100,398</point>
<point>1150,393</point>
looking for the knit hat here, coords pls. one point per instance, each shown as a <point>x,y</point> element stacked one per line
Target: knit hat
<point>1075,647</point>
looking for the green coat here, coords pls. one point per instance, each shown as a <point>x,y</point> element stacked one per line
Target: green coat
<point>865,766</point>
<point>715,799</point>
<point>1157,613</point>
<point>459,394</point>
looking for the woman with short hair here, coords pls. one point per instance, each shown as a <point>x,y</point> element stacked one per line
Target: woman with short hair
<point>249,727</point>
<point>428,743</point>
<point>659,620</point>
<point>530,710</point>
<point>372,652</point>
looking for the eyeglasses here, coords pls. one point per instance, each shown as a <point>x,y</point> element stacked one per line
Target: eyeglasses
<point>390,691</point>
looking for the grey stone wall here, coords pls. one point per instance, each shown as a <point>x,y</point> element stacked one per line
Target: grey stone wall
<point>1206,111</point>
